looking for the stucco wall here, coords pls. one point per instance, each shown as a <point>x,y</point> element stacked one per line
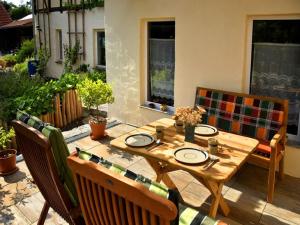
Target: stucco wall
<point>94,20</point>
<point>211,50</point>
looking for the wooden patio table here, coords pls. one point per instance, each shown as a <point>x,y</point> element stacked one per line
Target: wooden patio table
<point>236,150</point>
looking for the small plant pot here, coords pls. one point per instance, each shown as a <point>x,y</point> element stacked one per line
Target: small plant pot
<point>98,130</point>
<point>8,162</point>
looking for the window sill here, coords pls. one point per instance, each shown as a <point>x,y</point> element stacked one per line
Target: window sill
<point>100,67</point>
<point>170,109</point>
<point>59,61</point>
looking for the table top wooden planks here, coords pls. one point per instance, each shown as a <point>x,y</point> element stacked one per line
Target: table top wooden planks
<point>235,151</point>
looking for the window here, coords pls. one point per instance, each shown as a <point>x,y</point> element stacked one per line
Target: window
<point>100,61</point>
<point>59,44</point>
<point>161,62</point>
<point>275,69</point>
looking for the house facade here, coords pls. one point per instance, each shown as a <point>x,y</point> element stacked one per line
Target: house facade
<point>158,52</point>
<point>59,24</point>
<point>176,45</point>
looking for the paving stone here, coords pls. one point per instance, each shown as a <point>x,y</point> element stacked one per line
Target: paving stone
<point>285,208</point>
<point>119,130</point>
<point>268,219</point>
<point>12,215</point>
<point>16,192</point>
<point>32,206</point>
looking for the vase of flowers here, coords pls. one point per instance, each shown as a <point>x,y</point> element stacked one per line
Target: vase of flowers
<point>190,117</point>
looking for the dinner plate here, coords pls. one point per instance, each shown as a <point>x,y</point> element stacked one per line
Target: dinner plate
<point>139,140</point>
<point>205,130</point>
<point>190,155</point>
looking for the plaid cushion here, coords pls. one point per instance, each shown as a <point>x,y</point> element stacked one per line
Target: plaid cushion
<point>59,149</point>
<point>251,117</point>
<point>189,216</point>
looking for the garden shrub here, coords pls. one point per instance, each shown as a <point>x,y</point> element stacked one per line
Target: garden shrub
<point>97,75</point>
<point>22,68</point>
<point>14,85</point>
<point>26,51</point>
<point>9,59</point>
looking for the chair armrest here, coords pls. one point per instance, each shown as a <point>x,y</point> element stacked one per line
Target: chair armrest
<point>278,137</point>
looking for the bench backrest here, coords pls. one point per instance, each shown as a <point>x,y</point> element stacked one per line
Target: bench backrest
<point>250,115</point>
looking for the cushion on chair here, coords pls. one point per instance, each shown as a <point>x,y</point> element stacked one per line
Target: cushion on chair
<point>189,216</point>
<point>247,116</point>
<point>59,149</point>
<point>186,215</point>
<point>155,187</point>
<point>264,149</point>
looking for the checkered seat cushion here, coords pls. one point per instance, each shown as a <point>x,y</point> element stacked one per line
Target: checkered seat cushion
<point>248,116</point>
<point>186,216</point>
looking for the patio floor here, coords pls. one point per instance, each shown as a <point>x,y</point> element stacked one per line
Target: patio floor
<point>21,202</point>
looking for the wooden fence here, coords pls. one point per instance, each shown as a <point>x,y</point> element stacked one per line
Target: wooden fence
<point>65,111</point>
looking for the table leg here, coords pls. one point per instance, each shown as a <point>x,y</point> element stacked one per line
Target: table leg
<point>161,174</point>
<point>218,199</point>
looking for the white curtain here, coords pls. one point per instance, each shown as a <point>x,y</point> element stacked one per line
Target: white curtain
<point>276,72</point>
<point>161,66</point>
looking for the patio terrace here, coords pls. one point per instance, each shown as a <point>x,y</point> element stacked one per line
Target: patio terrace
<point>21,201</point>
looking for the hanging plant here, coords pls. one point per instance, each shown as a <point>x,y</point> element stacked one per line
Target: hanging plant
<point>71,56</point>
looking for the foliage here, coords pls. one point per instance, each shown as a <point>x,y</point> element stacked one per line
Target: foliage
<point>83,68</point>
<point>97,75</point>
<point>189,116</point>
<point>22,68</point>
<point>14,85</point>
<point>26,51</point>
<point>17,12</point>
<point>9,59</point>
<point>43,56</point>
<point>94,94</point>
<point>87,4</point>
<point>5,137</point>
<point>71,56</point>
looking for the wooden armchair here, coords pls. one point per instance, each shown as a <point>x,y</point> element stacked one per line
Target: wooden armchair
<point>38,156</point>
<point>111,199</point>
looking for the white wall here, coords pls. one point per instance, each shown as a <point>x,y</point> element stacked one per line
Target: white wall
<point>94,20</point>
<point>211,50</point>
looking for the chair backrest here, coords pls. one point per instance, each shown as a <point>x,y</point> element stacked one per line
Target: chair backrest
<point>108,198</point>
<point>255,116</point>
<point>38,157</point>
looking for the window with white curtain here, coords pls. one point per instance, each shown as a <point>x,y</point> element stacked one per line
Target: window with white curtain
<point>276,65</point>
<point>161,62</point>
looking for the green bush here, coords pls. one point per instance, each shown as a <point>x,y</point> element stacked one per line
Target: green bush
<point>26,51</point>
<point>14,85</point>
<point>97,75</point>
<point>94,94</point>
<point>9,59</point>
<point>22,68</point>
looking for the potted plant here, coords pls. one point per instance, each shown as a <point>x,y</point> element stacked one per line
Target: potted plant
<point>93,94</point>
<point>7,156</point>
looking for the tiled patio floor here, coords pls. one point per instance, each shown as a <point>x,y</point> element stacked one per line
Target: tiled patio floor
<point>21,202</point>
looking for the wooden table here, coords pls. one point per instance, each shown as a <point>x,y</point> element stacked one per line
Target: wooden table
<point>236,150</point>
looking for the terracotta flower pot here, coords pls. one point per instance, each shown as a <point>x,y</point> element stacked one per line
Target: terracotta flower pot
<point>8,162</point>
<point>98,130</point>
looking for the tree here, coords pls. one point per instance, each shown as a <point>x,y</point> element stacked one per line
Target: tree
<point>17,12</point>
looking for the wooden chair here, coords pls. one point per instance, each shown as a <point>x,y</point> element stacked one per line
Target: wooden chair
<point>38,157</point>
<point>107,198</point>
<point>223,106</point>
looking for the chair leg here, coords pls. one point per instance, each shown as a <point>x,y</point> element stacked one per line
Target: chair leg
<point>281,169</point>
<point>44,214</point>
<point>271,181</point>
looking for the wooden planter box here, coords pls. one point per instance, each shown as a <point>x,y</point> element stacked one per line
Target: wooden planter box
<point>65,111</point>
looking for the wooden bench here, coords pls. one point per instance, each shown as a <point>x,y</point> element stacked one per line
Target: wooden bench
<point>260,117</point>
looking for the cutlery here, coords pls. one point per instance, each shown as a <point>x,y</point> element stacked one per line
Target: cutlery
<point>157,143</point>
<point>213,159</point>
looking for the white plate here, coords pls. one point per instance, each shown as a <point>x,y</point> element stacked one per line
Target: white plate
<point>190,155</point>
<point>205,130</point>
<point>139,140</point>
